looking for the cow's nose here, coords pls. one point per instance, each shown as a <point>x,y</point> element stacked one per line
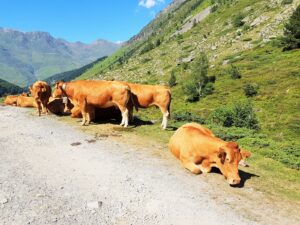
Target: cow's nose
<point>234,181</point>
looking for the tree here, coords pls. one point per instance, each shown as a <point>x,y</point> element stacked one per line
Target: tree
<point>172,80</point>
<point>199,72</point>
<point>195,82</point>
<point>291,39</point>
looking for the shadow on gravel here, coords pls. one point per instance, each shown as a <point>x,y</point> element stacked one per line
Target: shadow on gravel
<point>244,177</point>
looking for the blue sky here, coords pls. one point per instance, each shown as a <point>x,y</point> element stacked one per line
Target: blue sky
<point>80,20</point>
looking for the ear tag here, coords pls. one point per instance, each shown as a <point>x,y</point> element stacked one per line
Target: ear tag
<point>65,100</point>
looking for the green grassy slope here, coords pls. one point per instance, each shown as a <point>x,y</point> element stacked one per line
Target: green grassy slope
<point>8,88</point>
<point>252,48</point>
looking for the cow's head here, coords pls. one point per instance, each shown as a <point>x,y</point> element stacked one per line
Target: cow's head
<point>25,94</point>
<point>58,92</point>
<point>38,89</point>
<point>229,157</point>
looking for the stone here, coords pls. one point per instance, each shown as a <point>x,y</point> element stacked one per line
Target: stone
<point>94,205</point>
<point>4,201</point>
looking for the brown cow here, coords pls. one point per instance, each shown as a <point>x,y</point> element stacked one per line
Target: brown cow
<point>89,95</point>
<point>41,92</point>
<point>12,99</point>
<point>24,101</point>
<point>145,96</point>
<point>199,150</point>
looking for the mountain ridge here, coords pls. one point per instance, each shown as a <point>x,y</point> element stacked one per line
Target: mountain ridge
<point>28,56</point>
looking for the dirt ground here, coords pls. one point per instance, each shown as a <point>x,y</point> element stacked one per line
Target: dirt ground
<point>55,173</point>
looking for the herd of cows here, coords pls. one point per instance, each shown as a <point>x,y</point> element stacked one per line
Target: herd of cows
<point>195,146</point>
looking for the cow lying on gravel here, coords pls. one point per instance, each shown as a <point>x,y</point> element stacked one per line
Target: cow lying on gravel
<point>41,92</point>
<point>199,150</point>
<point>88,95</point>
<point>145,96</point>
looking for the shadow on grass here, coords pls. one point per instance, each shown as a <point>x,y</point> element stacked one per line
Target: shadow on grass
<point>243,175</point>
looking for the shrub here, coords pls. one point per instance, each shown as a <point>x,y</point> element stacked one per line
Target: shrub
<point>250,90</point>
<point>234,72</point>
<point>291,39</point>
<point>189,88</point>
<point>158,42</point>
<point>222,116</point>
<point>172,80</point>
<point>145,60</point>
<point>214,8</point>
<point>286,2</point>
<point>244,115</point>
<point>237,20</point>
<point>240,114</point>
<point>148,47</point>
<point>187,117</point>
<point>208,89</point>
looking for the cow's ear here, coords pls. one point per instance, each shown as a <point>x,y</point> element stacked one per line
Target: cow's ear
<point>245,154</point>
<point>222,155</point>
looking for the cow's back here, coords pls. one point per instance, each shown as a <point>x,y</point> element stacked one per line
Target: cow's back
<point>99,93</point>
<point>24,101</point>
<point>147,95</point>
<point>193,140</point>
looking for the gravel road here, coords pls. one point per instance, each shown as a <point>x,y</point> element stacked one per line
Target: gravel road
<point>51,173</point>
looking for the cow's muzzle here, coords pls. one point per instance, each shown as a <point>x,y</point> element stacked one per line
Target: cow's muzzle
<point>234,181</point>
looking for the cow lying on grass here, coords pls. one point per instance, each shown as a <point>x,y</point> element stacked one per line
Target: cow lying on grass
<point>41,92</point>
<point>88,95</point>
<point>24,101</point>
<point>199,150</point>
<point>12,99</point>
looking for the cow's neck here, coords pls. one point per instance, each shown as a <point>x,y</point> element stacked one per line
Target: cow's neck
<point>67,90</point>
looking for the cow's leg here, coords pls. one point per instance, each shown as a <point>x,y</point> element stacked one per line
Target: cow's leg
<point>39,108</point>
<point>83,109</point>
<point>166,115</point>
<point>45,108</point>
<point>191,166</point>
<point>124,112</point>
<point>205,166</point>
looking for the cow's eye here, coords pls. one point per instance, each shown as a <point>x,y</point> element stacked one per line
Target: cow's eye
<point>227,160</point>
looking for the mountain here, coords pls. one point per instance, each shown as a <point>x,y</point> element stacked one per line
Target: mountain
<point>8,88</point>
<point>241,39</point>
<point>28,56</point>
<point>72,74</point>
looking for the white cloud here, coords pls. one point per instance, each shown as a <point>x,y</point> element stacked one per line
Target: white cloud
<point>150,3</point>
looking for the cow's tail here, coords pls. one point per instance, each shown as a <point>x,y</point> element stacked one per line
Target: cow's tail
<point>169,104</point>
<point>131,101</point>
